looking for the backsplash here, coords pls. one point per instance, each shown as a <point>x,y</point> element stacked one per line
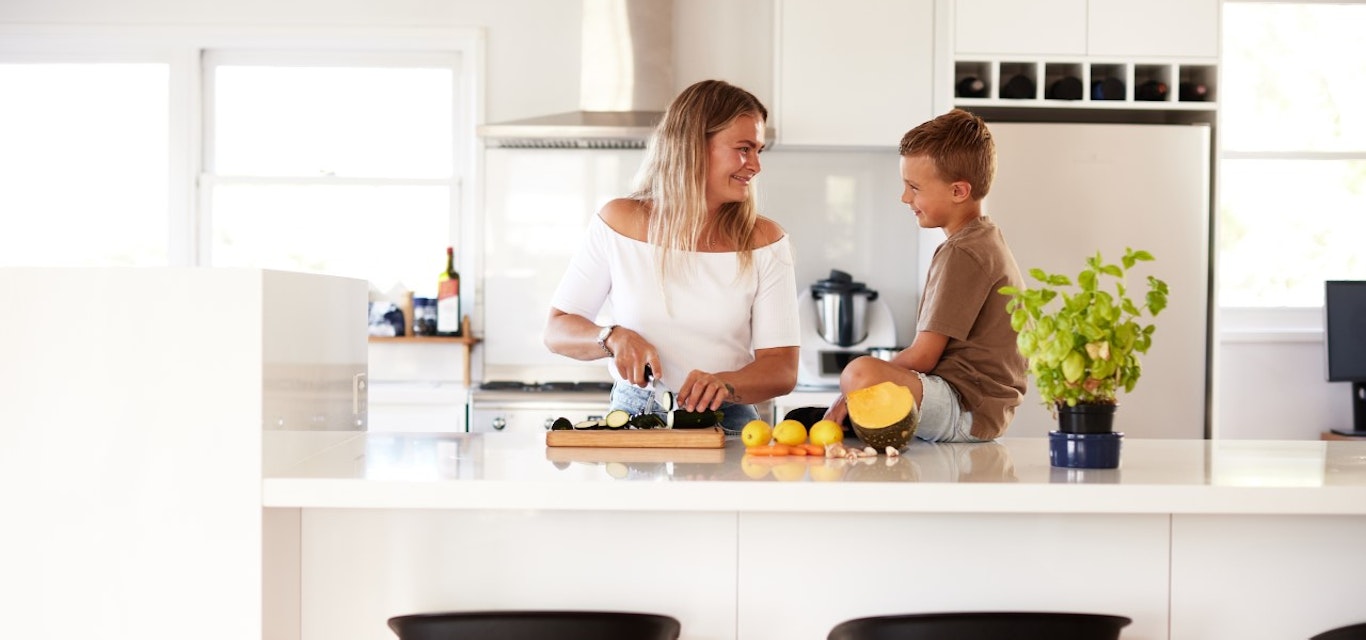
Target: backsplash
<point>841,209</point>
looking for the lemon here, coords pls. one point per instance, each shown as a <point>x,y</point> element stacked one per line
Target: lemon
<point>789,432</point>
<point>753,469</point>
<point>756,434</point>
<point>826,432</point>
<point>789,471</point>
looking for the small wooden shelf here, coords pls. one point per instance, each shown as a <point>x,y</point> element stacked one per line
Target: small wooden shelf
<point>466,338</point>
<point>451,339</point>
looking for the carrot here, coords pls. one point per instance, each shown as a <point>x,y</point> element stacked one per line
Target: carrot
<point>814,450</point>
<point>768,450</point>
<point>797,450</point>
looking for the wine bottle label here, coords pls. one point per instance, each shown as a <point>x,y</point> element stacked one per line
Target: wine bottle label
<point>448,307</point>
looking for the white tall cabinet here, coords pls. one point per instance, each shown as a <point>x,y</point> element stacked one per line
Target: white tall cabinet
<point>858,73</point>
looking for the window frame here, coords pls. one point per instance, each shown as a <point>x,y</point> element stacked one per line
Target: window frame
<point>184,48</point>
<point>1278,324</point>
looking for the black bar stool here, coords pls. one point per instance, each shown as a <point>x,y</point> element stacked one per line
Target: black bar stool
<point>535,625</point>
<point>1349,632</point>
<point>982,625</point>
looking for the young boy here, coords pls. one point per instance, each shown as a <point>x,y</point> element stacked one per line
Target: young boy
<point>963,366</point>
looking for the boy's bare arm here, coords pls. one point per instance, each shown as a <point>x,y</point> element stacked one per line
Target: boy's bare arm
<point>924,353</point>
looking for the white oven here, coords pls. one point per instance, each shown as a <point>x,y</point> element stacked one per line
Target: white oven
<point>533,408</point>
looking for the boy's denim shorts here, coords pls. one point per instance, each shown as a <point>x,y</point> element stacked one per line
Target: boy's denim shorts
<point>942,418</point>
<point>637,400</point>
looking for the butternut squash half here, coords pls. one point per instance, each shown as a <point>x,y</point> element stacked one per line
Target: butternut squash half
<point>883,415</point>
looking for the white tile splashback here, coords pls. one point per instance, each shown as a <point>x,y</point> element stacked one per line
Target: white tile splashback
<point>840,208</point>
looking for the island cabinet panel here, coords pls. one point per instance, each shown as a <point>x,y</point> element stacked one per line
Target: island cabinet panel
<point>361,566</point>
<point>855,565</point>
<point>1261,577</point>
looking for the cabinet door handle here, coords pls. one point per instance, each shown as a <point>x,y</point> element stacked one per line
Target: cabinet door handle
<point>358,384</point>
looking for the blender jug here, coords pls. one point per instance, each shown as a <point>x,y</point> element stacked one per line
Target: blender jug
<point>842,308</point>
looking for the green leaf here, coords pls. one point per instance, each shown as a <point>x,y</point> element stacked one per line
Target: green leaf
<point>1112,270</point>
<point>1087,280</point>
<point>1143,256</point>
<point>1038,274</point>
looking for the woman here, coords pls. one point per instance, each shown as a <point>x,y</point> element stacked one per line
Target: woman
<point>702,288</point>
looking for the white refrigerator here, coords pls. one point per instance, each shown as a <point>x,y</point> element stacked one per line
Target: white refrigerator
<point>1064,191</point>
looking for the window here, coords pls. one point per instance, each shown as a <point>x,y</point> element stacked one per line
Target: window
<point>337,151</point>
<point>84,164</point>
<point>1292,208</point>
<point>343,165</point>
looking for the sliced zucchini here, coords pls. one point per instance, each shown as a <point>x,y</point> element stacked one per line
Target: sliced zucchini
<point>561,424</point>
<point>587,424</point>
<point>616,419</point>
<point>665,400</point>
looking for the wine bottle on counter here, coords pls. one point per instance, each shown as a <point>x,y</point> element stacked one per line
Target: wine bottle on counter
<point>448,298</point>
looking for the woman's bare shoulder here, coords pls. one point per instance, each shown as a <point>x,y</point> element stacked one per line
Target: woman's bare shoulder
<point>627,217</point>
<point>767,232</point>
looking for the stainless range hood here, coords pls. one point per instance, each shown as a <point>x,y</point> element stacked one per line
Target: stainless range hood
<point>626,82</point>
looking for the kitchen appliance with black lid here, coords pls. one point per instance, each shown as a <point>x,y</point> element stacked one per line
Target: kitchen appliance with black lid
<point>840,319</point>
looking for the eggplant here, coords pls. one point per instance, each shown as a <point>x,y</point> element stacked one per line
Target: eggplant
<point>647,421</point>
<point>561,424</point>
<point>684,419</point>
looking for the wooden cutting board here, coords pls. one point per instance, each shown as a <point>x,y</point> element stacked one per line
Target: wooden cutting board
<point>709,438</point>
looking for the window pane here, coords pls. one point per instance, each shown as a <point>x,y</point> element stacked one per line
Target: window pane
<point>311,121</point>
<point>1291,77</point>
<point>83,164</point>
<point>1286,226</point>
<point>388,235</point>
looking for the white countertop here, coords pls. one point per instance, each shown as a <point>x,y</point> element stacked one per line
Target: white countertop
<point>1012,475</point>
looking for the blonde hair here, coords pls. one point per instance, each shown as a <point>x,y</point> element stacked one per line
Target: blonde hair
<point>673,179</point>
<point>961,147</point>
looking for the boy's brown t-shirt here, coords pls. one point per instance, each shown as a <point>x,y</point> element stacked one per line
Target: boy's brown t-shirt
<point>981,360</point>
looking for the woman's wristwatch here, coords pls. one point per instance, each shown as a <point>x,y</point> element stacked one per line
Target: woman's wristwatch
<point>602,339</point>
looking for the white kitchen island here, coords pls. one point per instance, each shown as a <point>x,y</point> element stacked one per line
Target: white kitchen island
<point>1192,539</point>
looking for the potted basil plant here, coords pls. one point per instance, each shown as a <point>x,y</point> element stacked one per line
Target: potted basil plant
<point>1083,339</point>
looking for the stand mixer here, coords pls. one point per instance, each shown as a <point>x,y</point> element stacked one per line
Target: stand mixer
<point>841,319</point>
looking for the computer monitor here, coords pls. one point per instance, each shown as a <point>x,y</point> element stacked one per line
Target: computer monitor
<point>1344,340</point>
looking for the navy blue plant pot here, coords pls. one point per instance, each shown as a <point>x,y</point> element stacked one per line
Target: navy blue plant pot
<point>1084,450</point>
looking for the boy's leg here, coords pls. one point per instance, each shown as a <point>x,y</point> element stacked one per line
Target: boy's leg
<point>865,371</point>
<point>942,418</point>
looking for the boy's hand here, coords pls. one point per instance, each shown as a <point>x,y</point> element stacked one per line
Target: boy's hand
<point>837,411</point>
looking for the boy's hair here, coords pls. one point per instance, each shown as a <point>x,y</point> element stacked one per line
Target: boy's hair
<point>961,147</point>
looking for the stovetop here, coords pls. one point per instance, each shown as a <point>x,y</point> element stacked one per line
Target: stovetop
<point>545,387</point>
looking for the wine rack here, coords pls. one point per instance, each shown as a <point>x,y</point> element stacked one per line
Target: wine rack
<point>1086,84</point>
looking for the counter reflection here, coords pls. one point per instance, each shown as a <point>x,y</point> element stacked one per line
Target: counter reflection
<point>921,462</point>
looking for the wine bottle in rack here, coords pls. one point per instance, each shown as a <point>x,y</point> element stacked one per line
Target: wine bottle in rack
<point>1191,91</point>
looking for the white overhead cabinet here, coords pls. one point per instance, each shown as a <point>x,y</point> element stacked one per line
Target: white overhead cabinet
<point>1020,27</point>
<point>1127,54</point>
<point>857,73</point>
<point>1168,28</point>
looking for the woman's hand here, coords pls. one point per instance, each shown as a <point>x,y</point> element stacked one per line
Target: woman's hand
<point>702,390</point>
<point>631,353</point>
